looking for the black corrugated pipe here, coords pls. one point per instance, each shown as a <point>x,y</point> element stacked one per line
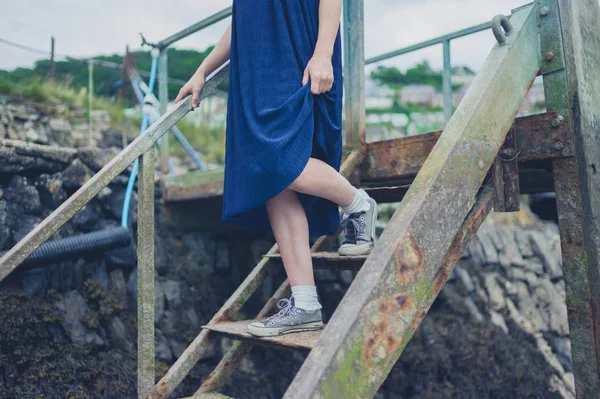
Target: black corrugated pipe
<point>77,246</point>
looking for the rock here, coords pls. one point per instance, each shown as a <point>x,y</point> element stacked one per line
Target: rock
<point>118,335</point>
<point>101,276</point>
<point>172,290</point>
<point>73,309</point>
<point>192,317</point>
<point>546,250</point>
<point>34,282</point>
<point>114,206</point>
<point>465,279</point>
<point>561,346</point>
<point>534,265</point>
<point>50,190</point>
<point>177,347</point>
<point>26,223</point>
<point>78,273</point>
<point>85,219</point>
<point>494,291</point>
<point>162,347</point>
<point>550,299</point>
<point>19,156</point>
<point>97,158</point>
<point>59,125</point>
<point>498,321</point>
<point>118,286</point>
<point>67,275</point>
<point>23,195</point>
<point>490,252</point>
<point>76,175</point>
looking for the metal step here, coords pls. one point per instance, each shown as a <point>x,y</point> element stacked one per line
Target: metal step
<point>329,260</point>
<point>302,341</point>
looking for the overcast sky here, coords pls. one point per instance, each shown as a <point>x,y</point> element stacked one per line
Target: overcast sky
<point>85,28</point>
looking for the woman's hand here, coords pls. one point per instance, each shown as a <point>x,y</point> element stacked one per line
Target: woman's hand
<point>193,86</point>
<point>320,72</point>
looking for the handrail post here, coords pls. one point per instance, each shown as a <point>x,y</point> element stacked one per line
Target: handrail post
<point>163,98</point>
<point>145,255</point>
<point>447,82</point>
<point>354,73</point>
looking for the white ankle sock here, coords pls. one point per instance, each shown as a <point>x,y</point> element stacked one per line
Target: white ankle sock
<point>359,204</point>
<point>305,297</point>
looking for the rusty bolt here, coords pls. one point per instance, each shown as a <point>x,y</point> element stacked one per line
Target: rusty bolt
<point>558,121</point>
<point>481,164</point>
<point>544,11</point>
<point>558,146</point>
<point>549,56</point>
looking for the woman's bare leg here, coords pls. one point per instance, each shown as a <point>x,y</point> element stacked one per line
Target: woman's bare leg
<point>321,180</point>
<point>290,227</point>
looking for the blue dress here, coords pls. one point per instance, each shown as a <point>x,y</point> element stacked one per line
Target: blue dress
<point>274,123</point>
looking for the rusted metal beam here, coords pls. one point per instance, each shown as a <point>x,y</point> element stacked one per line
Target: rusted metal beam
<point>571,46</point>
<point>506,176</point>
<point>537,139</point>
<point>89,190</point>
<point>202,342</point>
<point>391,293</point>
<point>145,281</point>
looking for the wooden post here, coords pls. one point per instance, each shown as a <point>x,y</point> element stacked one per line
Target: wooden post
<point>90,100</point>
<point>354,73</point>
<point>571,49</point>
<point>52,66</point>
<point>145,277</point>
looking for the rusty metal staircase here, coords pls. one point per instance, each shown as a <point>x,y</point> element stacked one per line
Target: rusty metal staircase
<point>483,159</point>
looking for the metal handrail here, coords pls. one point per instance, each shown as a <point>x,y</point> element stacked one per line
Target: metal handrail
<point>429,43</point>
<point>198,26</point>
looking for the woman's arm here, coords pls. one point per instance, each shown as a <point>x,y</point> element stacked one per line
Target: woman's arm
<point>319,68</point>
<point>217,57</point>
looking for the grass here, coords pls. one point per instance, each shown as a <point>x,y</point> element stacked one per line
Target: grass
<point>209,142</point>
<point>62,92</point>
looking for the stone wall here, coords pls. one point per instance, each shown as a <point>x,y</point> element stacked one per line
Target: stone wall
<point>497,330</point>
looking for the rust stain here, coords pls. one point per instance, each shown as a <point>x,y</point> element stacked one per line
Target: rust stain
<point>410,259</point>
<point>385,319</point>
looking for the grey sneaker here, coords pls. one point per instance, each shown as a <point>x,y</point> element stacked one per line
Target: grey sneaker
<point>290,319</point>
<point>359,231</point>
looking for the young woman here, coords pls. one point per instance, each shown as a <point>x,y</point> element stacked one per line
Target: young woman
<point>283,141</point>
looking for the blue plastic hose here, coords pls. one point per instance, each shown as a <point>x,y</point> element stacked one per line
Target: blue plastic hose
<point>134,169</point>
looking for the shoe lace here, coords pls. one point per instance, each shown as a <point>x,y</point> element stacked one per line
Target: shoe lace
<point>287,309</point>
<point>354,227</point>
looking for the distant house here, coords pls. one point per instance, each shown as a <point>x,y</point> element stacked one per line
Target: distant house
<point>378,97</point>
<point>417,94</point>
